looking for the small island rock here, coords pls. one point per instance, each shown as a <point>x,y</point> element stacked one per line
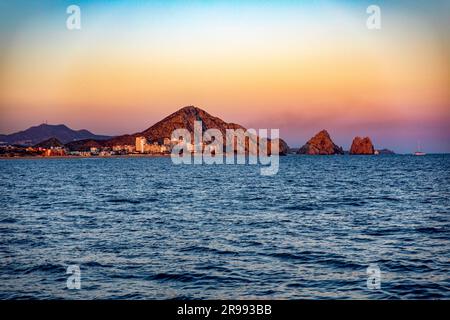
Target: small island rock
<point>362,146</point>
<point>320,144</point>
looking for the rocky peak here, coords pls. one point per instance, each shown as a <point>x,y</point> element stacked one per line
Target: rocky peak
<point>362,146</point>
<point>189,109</point>
<point>320,144</point>
<point>184,119</point>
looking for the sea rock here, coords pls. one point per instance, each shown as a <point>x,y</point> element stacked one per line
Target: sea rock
<point>320,144</point>
<point>362,146</point>
<point>283,148</point>
<point>385,151</point>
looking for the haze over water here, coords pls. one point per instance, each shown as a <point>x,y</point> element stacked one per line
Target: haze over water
<point>145,228</point>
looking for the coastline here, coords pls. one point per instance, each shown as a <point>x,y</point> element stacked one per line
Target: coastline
<point>168,155</point>
<point>88,157</point>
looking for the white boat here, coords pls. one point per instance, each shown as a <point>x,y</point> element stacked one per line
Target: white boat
<point>419,152</point>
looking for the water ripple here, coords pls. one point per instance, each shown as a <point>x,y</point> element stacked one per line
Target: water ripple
<point>142,228</point>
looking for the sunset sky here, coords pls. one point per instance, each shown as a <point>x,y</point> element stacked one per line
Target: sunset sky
<point>300,66</point>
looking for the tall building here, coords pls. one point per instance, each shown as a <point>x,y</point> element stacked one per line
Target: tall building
<point>140,144</point>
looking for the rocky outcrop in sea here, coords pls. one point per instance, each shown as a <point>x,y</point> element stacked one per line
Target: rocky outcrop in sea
<point>321,144</point>
<point>362,146</point>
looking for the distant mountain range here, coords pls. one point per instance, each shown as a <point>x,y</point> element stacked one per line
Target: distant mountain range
<point>37,134</point>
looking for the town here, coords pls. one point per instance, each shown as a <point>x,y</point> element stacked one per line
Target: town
<point>54,148</point>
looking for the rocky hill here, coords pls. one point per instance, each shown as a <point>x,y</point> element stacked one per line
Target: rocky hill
<point>84,145</point>
<point>49,144</point>
<point>183,118</point>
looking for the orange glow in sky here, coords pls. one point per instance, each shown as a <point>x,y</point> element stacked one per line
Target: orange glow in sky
<point>297,69</point>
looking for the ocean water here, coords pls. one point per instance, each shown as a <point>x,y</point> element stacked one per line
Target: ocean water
<point>143,228</point>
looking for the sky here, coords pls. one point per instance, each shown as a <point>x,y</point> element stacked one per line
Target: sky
<point>298,66</point>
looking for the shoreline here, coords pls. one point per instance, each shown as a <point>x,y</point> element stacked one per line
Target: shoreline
<point>88,157</point>
<point>168,155</point>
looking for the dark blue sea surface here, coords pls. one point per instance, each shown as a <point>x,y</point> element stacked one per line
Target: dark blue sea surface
<point>143,228</point>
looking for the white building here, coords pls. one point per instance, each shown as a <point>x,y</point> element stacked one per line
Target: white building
<point>140,144</point>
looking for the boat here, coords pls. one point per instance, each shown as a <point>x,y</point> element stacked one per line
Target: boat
<point>419,152</point>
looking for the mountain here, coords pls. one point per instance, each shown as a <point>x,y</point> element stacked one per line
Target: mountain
<point>362,146</point>
<point>183,118</point>
<point>49,144</point>
<point>320,144</point>
<point>43,132</point>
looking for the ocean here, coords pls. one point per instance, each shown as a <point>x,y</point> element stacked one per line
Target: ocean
<point>143,228</point>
